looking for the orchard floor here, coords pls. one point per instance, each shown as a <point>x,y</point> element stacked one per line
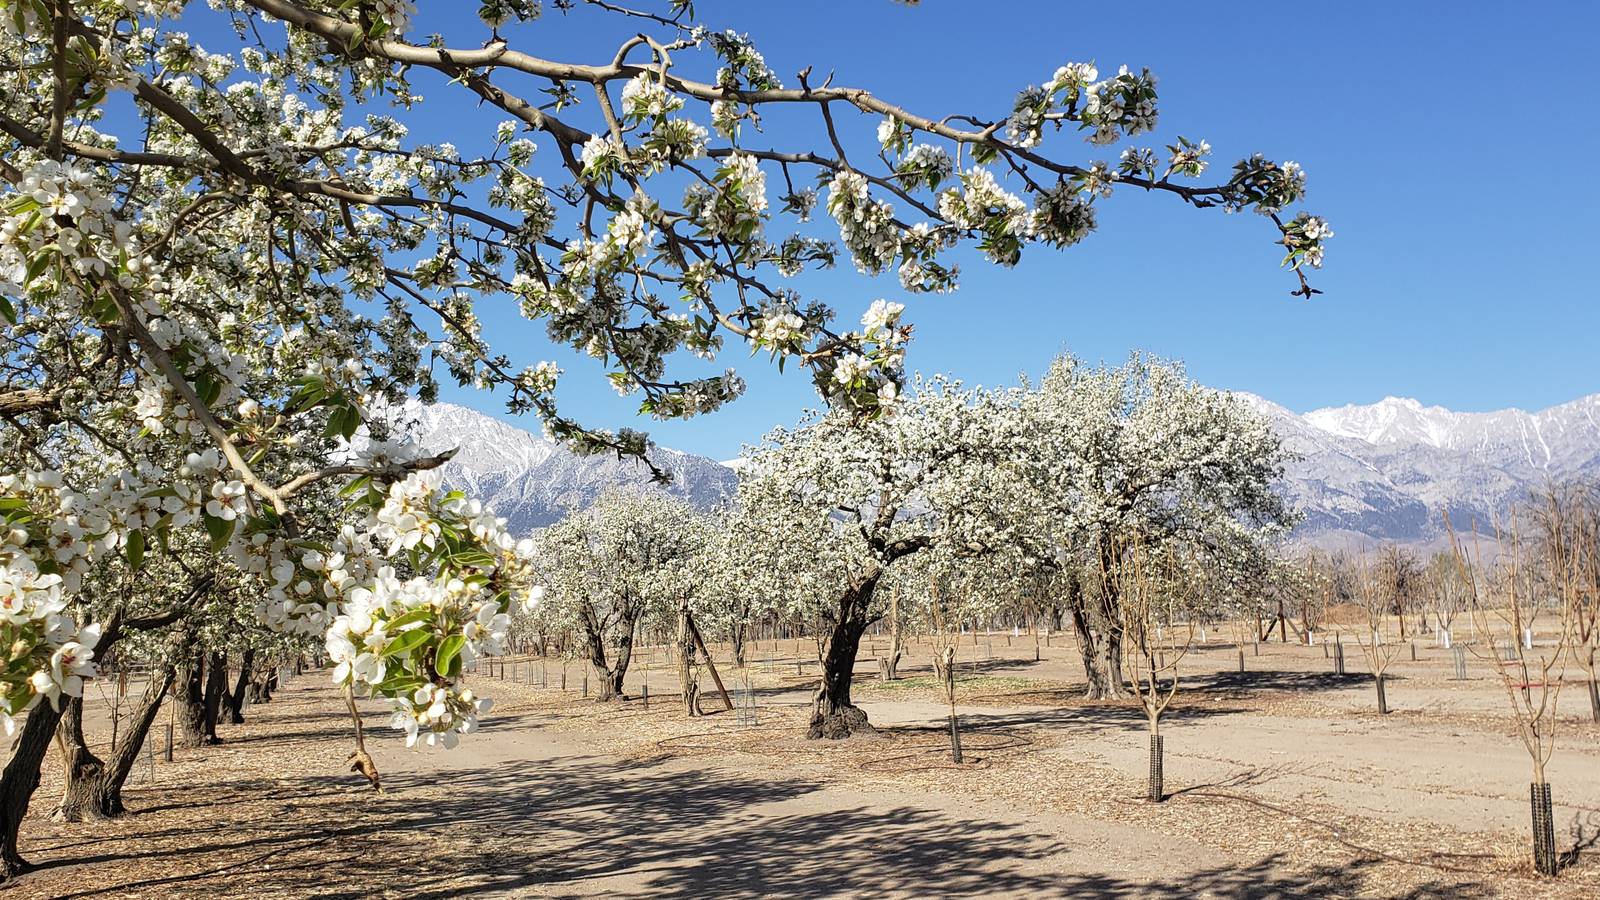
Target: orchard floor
<point>1283,782</point>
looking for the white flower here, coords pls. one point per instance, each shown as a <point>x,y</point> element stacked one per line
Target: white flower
<point>851,366</point>
<point>227,500</point>
<point>880,315</point>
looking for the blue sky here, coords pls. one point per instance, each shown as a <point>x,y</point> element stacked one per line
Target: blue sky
<point>1448,144</point>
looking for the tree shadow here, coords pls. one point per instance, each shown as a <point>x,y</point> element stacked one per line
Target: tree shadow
<point>1585,834</point>
<point>1087,717</point>
<point>1274,680</point>
<point>585,825</point>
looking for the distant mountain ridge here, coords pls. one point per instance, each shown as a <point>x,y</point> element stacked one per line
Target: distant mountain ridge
<point>1386,471</point>
<point>1389,471</point>
<point>534,482</point>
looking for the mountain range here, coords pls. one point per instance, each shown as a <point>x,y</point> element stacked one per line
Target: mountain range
<point>1387,471</point>
<point>1391,470</point>
<point>533,481</point>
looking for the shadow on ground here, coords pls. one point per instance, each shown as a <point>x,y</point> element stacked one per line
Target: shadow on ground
<point>583,825</point>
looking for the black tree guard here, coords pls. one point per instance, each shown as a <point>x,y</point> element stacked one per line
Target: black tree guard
<point>1544,832</point>
<point>1157,794</point>
<point>955,739</point>
<point>1383,697</point>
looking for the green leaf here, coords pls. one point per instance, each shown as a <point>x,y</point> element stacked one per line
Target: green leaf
<point>220,531</point>
<point>406,641</point>
<point>208,388</point>
<point>135,548</point>
<point>7,311</point>
<point>36,267</point>
<point>400,682</point>
<point>419,614</point>
<point>447,659</point>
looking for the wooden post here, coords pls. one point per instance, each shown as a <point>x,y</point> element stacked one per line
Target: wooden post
<point>710,665</point>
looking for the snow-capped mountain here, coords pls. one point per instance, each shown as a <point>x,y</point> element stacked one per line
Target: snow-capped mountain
<point>534,482</point>
<point>1387,471</point>
<point>1390,470</point>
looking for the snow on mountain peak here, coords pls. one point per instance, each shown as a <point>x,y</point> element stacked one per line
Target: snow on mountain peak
<point>533,481</point>
<point>1385,471</point>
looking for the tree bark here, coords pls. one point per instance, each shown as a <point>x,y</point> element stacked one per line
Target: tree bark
<point>79,765</point>
<point>1098,643</point>
<point>236,699</point>
<point>94,791</point>
<point>610,672</point>
<point>833,716</point>
<point>1088,648</point>
<point>216,687</point>
<point>189,692</point>
<point>18,782</point>
<point>686,675</point>
<point>1108,619</point>
<point>741,632</point>
<point>891,669</point>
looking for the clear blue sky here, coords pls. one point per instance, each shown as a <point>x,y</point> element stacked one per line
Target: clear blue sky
<point>1449,144</point>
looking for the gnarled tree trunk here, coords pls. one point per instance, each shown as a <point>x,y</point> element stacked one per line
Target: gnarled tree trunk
<point>891,663</point>
<point>235,700</point>
<point>833,716</point>
<point>687,679</point>
<point>93,788</point>
<point>610,672</point>
<point>740,635</point>
<point>1100,649</point>
<point>1106,623</point>
<point>18,782</point>
<point>216,689</point>
<point>1089,648</point>
<point>190,697</point>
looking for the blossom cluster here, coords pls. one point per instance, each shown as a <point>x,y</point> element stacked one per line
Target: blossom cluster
<point>866,224</point>
<point>49,653</point>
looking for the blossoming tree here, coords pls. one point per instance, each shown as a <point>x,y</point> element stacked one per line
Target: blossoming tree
<point>222,249</point>
<point>606,568</point>
<point>1108,456</point>
<point>839,502</point>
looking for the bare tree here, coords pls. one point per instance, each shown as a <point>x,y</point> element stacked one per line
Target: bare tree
<point>1400,580</point>
<point>1448,594</point>
<point>1151,592</point>
<point>1530,690</point>
<point>1374,594</point>
<point>1570,531</point>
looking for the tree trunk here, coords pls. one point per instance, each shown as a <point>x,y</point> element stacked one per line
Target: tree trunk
<point>1088,648</point>
<point>686,675</point>
<point>18,782</point>
<point>189,692</point>
<point>1383,697</point>
<point>216,687</point>
<point>740,632</point>
<point>95,792</point>
<point>891,668</point>
<point>833,716</point>
<point>609,672</point>
<point>1107,619</point>
<point>80,766</point>
<point>1111,659</point>
<point>1101,685</point>
<point>236,699</point>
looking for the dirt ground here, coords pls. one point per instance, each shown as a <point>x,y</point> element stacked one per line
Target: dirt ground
<point>1283,782</point>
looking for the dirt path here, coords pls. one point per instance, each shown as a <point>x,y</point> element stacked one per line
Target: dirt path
<point>530,810</point>
<point>1284,785</point>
